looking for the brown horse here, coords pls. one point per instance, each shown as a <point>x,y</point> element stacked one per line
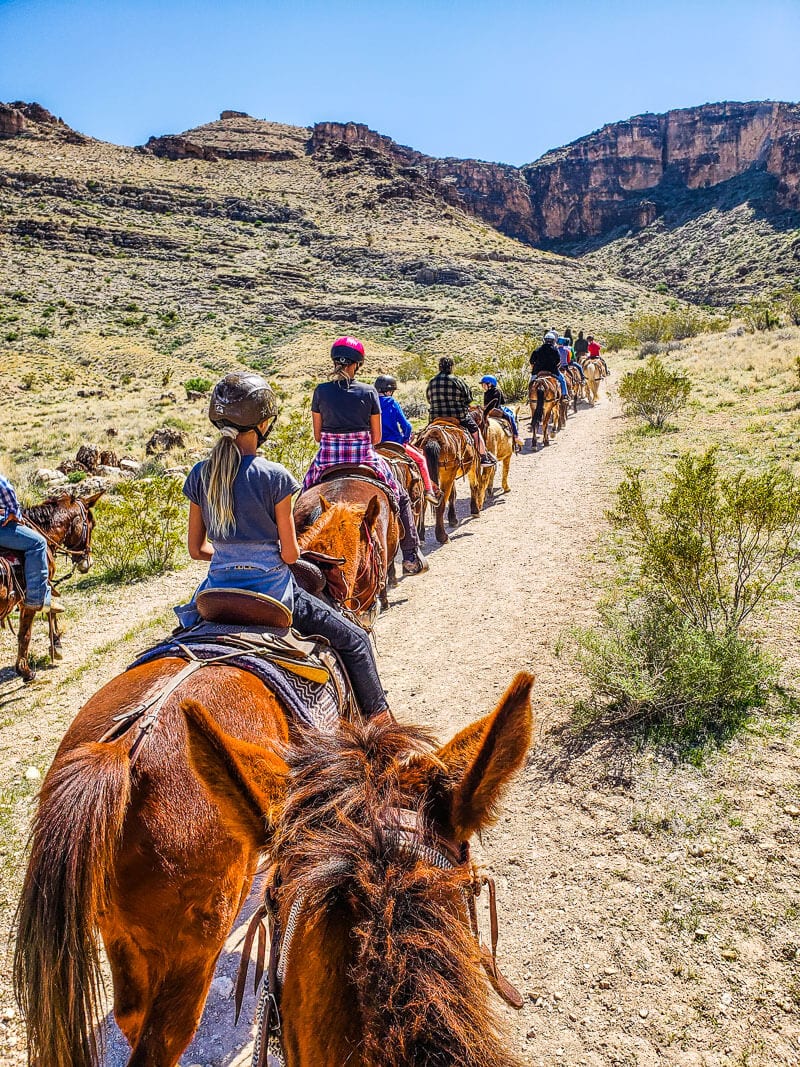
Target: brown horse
<point>367,831</point>
<point>576,386</point>
<point>544,396</point>
<point>407,473</point>
<point>451,454</point>
<point>136,852</point>
<point>66,522</point>
<point>593,370</point>
<point>364,529</point>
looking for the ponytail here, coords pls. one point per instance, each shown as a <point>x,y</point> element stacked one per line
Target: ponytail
<point>219,473</point>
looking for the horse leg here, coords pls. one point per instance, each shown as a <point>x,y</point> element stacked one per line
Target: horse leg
<point>506,466</point>
<point>452,518</point>
<point>445,486</point>
<point>56,637</point>
<point>23,667</point>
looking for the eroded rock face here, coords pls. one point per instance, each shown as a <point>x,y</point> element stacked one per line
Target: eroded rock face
<point>621,177</point>
<point>20,118</point>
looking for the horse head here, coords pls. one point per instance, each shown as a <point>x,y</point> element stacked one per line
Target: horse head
<point>78,539</point>
<point>368,829</point>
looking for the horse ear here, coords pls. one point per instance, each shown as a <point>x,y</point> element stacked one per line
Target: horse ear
<point>481,760</point>
<point>90,501</point>
<point>372,512</point>
<point>247,782</point>
<point>324,505</point>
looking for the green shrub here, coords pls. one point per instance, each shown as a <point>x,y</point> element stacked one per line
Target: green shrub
<point>674,325</point>
<point>140,528</point>
<point>653,393</point>
<point>715,548</point>
<point>616,340</point>
<point>414,366</point>
<point>292,442</point>
<point>711,554</point>
<point>198,385</point>
<point>76,476</point>
<point>760,316</point>
<point>651,669</point>
<point>793,309</point>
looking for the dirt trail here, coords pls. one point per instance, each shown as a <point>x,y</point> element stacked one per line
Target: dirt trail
<point>619,898</point>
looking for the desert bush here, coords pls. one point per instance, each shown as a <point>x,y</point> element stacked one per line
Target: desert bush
<point>674,325</point>
<point>759,316</point>
<point>292,443</point>
<point>140,527</point>
<point>793,309</point>
<point>616,340</point>
<point>650,669</point>
<point>197,385</point>
<point>414,403</point>
<point>654,393</point>
<point>415,366</point>
<point>705,558</point>
<point>716,548</point>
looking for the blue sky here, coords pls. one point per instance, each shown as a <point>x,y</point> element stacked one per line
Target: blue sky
<point>501,81</point>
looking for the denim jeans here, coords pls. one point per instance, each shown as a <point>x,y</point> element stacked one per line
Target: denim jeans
<point>314,616</point>
<point>563,382</point>
<point>34,549</point>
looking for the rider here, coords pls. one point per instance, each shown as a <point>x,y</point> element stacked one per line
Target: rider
<point>18,537</point>
<point>243,504</point>
<point>493,400</point>
<point>594,352</point>
<point>347,425</point>
<point>398,430</point>
<point>546,360</point>
<point>449,397</point>
<point>566,353</point>
<point>581,347</point>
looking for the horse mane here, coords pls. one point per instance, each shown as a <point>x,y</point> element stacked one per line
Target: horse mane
<point>50,510</point>
<point>422,994</point>
<point>336,516</point>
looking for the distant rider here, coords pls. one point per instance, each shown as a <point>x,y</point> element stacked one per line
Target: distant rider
<point>18,537</point>
<point>398,430</point>
<point>449,397</point>
<point>594,353</point>
<point>546,359</point>
<point>346,415</point>
<point>493,400</point>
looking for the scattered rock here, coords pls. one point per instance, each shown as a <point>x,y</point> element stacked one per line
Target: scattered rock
<point>89,457</point>
<point>730,954</point>
<point>50,477</point>
<point>700,934</point>
<point>792,810</point>
<point>194,394</point>
<point>643,1013</point>
<point>109,458</point>
<point>169,397</point>
<point>112,432</point>
<point>33,774</point>
<point>69,466</point>
<point>90,486</point>
<point>164,440</point>
<point>130,466</point>
<point>222,987</point>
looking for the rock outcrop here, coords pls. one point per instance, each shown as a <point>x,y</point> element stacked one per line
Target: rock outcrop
<point>20,119</point>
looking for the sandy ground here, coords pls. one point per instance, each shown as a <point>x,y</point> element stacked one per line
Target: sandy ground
<point>648,913</point>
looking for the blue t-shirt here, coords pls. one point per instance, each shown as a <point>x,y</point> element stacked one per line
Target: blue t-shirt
<point>396,426</point>
<point>345,408</point>
<point>259,485</point>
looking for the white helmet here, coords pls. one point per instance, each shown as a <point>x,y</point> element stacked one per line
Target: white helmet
<point>550,336</point>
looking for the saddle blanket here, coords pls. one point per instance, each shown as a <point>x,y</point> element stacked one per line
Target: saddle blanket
<point>310,703</point>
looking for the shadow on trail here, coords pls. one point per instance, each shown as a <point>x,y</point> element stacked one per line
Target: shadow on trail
<point>596,756</point>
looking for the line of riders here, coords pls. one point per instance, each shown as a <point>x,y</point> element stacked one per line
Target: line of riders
<point>240,503</point>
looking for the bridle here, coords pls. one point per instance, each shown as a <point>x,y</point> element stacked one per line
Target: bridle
<point>372,570</point>
<point>402,828</point>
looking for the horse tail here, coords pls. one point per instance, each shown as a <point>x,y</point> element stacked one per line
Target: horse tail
<point>57,978</point>
<point>433,452</point>
<point>539,412</point>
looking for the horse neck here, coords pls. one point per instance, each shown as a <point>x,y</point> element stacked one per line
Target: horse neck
<point>53,520</point>
<point>334,536</point>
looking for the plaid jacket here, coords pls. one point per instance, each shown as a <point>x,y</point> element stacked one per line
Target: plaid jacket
<point>9,505</point>
<point>448,397</point>
<point>336,448</point>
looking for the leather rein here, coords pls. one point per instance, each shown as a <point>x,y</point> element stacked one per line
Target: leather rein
<point>76,555</point>
<point>403,829</point>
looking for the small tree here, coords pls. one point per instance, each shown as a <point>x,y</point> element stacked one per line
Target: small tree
<point>292,442</point>
<point>793,309</point>
<point>759,316</point>
<point>653,393</point>
<point>140,527</point>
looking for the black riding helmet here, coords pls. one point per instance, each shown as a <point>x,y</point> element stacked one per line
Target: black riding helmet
<point>243,401</point>
<point>385,383</point>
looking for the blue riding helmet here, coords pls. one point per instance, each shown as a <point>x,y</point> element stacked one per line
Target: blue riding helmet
<point>489,379</point>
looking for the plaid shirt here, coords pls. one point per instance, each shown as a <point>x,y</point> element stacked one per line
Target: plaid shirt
<point>9,505</point>
<point>336,448</point>
<point>448,397</point>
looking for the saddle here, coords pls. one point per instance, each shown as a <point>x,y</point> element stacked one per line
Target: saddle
<point>503,419</point>
<point>445,420</point>
<point>242,606</point>
<point>361,473</point>
<point>12,575</point>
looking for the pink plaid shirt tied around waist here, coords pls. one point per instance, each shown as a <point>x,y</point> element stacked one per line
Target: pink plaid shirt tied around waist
<point>355,448</point>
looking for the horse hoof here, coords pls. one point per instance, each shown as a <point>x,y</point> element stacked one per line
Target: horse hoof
<point>26,674</point>
<point>443,540</point>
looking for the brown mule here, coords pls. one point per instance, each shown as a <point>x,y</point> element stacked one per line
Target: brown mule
<point>364,530</point>
<point>544,396</point>
<point>135,851</point>
<point>66,522</point>
<point>451,454</point>
<point>367,831</point>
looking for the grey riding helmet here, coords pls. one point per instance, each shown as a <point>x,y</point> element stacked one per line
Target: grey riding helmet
<point>243,400</point>
<point>385,383</point>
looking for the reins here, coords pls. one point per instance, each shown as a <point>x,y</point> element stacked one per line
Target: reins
<point>77,555</point>
<point>403,829</point>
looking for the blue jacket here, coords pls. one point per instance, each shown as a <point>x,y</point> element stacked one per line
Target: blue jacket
<point>396,426</point>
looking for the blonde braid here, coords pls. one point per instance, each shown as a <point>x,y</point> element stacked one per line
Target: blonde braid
<point>219,473</point>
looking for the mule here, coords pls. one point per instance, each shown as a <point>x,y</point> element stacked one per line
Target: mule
<point>66,522</point>
<point>367,831</point>
<point>576,386</point>
<point>408,475</point>
<point>501,445</point>
<point>544,397</point>
<point>451,454</point>
<point>365,530</point>
<point>593,370</point>
<point>135,852</point>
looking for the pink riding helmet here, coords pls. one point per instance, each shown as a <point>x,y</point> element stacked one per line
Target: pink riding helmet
<point>347,350</point>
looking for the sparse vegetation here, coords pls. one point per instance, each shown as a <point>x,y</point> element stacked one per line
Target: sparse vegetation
<point>675,325</point>
<point>292,442</point>
<point>140,527</point>
<point>197,385</point>
<point>760,315</point>
<point>654,393</point>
